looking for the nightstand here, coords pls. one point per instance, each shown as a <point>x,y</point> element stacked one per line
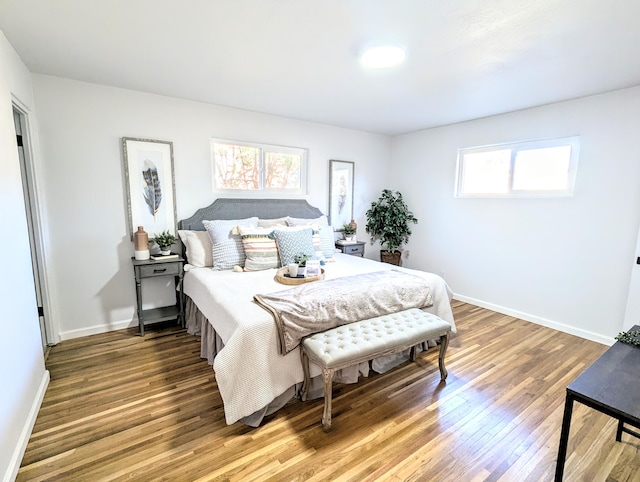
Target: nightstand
<point>149,268</point>
<point>352,248</point>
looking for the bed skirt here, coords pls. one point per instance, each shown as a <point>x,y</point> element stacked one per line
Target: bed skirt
<point>211,344</point>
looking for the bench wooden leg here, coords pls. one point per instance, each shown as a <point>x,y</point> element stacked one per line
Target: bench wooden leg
<point>327,375</point>
<point>444,342</point>
<point>307,377</point>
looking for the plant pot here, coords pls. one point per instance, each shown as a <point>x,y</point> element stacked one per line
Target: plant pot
<point>165,250</point>
<point>302,270</point>
<point>390,257</point>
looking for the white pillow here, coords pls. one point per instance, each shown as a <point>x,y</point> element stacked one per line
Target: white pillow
<point>198,246</point>
<point>269,223</point>
<point>321,221</point>
<point>327,242</point>
<point>227,246</point>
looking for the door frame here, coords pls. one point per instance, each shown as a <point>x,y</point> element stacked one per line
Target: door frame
<point>36,219</point>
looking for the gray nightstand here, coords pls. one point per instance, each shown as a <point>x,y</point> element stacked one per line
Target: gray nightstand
<point>153,269</point>
<point>356,248</point>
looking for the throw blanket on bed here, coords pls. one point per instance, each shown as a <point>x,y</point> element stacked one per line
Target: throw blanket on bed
<point>318,306</point>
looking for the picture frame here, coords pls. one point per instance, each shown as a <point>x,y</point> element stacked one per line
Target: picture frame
<point>341,183</point>
<point>150,184</point>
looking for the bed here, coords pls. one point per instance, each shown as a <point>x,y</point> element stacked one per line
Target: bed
<point>239,338</point>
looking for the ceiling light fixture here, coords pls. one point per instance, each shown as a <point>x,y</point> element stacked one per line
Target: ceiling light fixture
<point>382,57</point>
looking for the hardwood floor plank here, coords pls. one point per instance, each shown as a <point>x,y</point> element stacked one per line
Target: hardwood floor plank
<point>124,407</point>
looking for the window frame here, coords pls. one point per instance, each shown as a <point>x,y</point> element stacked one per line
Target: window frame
<point>515,147</point>
<point>263,191</point>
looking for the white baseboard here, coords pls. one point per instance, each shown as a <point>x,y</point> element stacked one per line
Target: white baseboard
<point>572,330</point>
<point>95,329</point>
<point>12,471</point>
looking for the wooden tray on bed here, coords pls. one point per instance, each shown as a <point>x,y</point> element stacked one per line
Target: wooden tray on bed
<point>286,280</point>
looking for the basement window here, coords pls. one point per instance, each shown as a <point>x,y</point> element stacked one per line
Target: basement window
<point>541,168</point>
<point>243,167</point>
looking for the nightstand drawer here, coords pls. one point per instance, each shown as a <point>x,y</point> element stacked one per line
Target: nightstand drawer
<point>160,269</point>
<point>355,249</point>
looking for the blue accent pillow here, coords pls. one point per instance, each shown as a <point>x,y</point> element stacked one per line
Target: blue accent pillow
<point>293,241</point>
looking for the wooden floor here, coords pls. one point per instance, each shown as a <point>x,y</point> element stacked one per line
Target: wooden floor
<point>123,407</point>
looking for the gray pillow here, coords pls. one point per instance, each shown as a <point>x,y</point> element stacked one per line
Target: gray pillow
<point>227,243</point>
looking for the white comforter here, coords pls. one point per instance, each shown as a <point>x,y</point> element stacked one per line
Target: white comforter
<point>249,370</point>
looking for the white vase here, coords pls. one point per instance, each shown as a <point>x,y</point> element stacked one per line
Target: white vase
<point>165,251</point>
<point>142,254</point>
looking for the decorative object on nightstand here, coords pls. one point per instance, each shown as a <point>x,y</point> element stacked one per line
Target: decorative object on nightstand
<point>164,240</point>
<point>351,247</point>
<point>162,257</point>
<point>145,269</point>
<point>349,232</point>
<point>388,220</point>
<point>141,244</point>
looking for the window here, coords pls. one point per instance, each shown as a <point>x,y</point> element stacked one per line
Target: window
<point>245,167</point>
<point>524,169</point>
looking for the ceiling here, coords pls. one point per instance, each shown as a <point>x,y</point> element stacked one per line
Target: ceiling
<point>299,58</point>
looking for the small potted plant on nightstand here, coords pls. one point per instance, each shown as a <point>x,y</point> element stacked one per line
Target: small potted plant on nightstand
<point>349,232</point>
<point>164,240</point>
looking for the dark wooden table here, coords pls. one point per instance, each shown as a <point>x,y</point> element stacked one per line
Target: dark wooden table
<point>610,385</point>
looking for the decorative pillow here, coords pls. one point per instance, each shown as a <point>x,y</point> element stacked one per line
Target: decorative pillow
<point>259,247</point>
<point>199,248</point>
<point>293,241</point>
<point>270,223</point>
<point>321,221</point>
<point>227,247</point>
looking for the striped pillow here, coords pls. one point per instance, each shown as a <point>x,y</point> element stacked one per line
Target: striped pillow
<point>260,249</point>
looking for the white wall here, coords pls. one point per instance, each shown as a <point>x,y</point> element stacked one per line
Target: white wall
<point>632,312</point>
<point>565,263</point>
<point>23,378</point>
<point>81,126</point>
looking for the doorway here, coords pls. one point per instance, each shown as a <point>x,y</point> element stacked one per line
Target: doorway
<point>20,121</point>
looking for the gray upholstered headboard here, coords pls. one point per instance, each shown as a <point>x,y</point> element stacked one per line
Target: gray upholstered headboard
<point>229,208</point>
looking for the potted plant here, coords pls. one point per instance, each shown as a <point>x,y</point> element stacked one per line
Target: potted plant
<point>165,239</point>
<point>388,220</point>
<point>301,260</point>
<point>348,231</point>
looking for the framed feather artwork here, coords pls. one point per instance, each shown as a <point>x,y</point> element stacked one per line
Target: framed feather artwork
<point>150,182</point>
<point>341,181</point>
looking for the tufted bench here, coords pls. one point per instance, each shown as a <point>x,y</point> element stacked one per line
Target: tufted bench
<point>365,340</point>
